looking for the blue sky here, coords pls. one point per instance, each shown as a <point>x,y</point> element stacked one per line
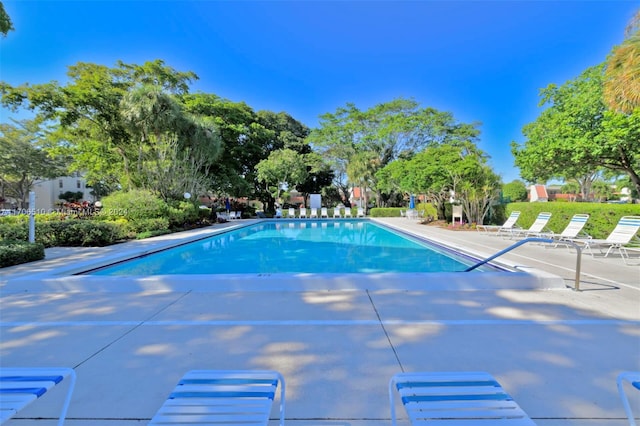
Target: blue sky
<point>483,61</point>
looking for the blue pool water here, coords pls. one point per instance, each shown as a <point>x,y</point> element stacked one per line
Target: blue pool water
<point>325,246</point>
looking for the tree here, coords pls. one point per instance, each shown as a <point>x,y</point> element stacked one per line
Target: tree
<point>386,131</point>
<point>173,150</point>
<point>572,188</point>
<point>247,138</point>
<point>622,72</point>
<point>576,135</point>
<point>24,159</point>
<point>361,171</point>
<point>5,21</point>
<point>88,109</point>
<point>319,176</point>
<point>514,191</point>
<point>441,170</point>
<point>602,191</point>
<point>283,168</point>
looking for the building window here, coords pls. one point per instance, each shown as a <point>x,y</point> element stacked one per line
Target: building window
<point>78,184</point>
<point>60,183</point>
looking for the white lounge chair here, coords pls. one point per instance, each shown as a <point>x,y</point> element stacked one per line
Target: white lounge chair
<point>455,398</point>
<point>292,213</point>
<point>624,233</point>
<point>508,226</point>
<point>347,212</point>
<point>536,229</point>
<point>303,212</point>
<point>21,386</point>
<point>360,212</point>
<point>336,213</point>
<point>314,213</point>
<point>633,378</point>
<point>218,397</point>
<point>573,230</point>
<point>324,212</point>
<point>412,214</point>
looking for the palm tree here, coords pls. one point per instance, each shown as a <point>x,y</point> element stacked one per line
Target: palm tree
<point>361,170</point>
<point>622,72</point>
<point>172,148</point>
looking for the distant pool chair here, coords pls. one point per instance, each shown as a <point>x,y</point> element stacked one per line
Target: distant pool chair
<point>508,226</point>
<point>223,397</point>
<point>303,212</point>
<point>292,213</point>
<point>324,212</point>
<point>573,230</point>
<point>537,229</point>
<point>336,213</point>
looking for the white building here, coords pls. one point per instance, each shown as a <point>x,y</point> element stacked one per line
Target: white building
<point>48,191</point>
<point>538,193</point>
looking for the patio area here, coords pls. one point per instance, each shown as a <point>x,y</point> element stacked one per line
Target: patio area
<point>557,352</point>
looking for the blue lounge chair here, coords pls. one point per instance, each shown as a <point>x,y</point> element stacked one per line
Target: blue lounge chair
<point>21,386</point>
<point>455,398</point>
<point>633,378</point>
<point>222,397</point>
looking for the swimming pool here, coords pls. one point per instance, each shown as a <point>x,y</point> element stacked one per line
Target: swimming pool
<point>293,247</point>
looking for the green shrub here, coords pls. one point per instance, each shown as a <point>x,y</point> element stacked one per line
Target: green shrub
<point>75,233</point>
<point>14,219</point>
<point>182,213</point>
<point>17,252</point>
<point>24,218</point>
<point>133,205</point>
<point>496,215</point>
<point>204,214</point>
<point>68,233</point>
<point>149,234</point>
<point>147,225</point>
<point>385,212</point>
<point>14,231</point>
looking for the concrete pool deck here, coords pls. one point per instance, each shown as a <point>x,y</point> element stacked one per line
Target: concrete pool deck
<point>557,352</point>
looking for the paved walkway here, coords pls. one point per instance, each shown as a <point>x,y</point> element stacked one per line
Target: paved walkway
<point>556,351</point>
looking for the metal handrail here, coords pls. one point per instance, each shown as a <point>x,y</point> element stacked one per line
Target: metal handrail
<point>536,240</point>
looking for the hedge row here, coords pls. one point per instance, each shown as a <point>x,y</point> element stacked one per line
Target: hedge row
<point>17,252</point>
<point>68,233</point>
<point>424,209</point>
